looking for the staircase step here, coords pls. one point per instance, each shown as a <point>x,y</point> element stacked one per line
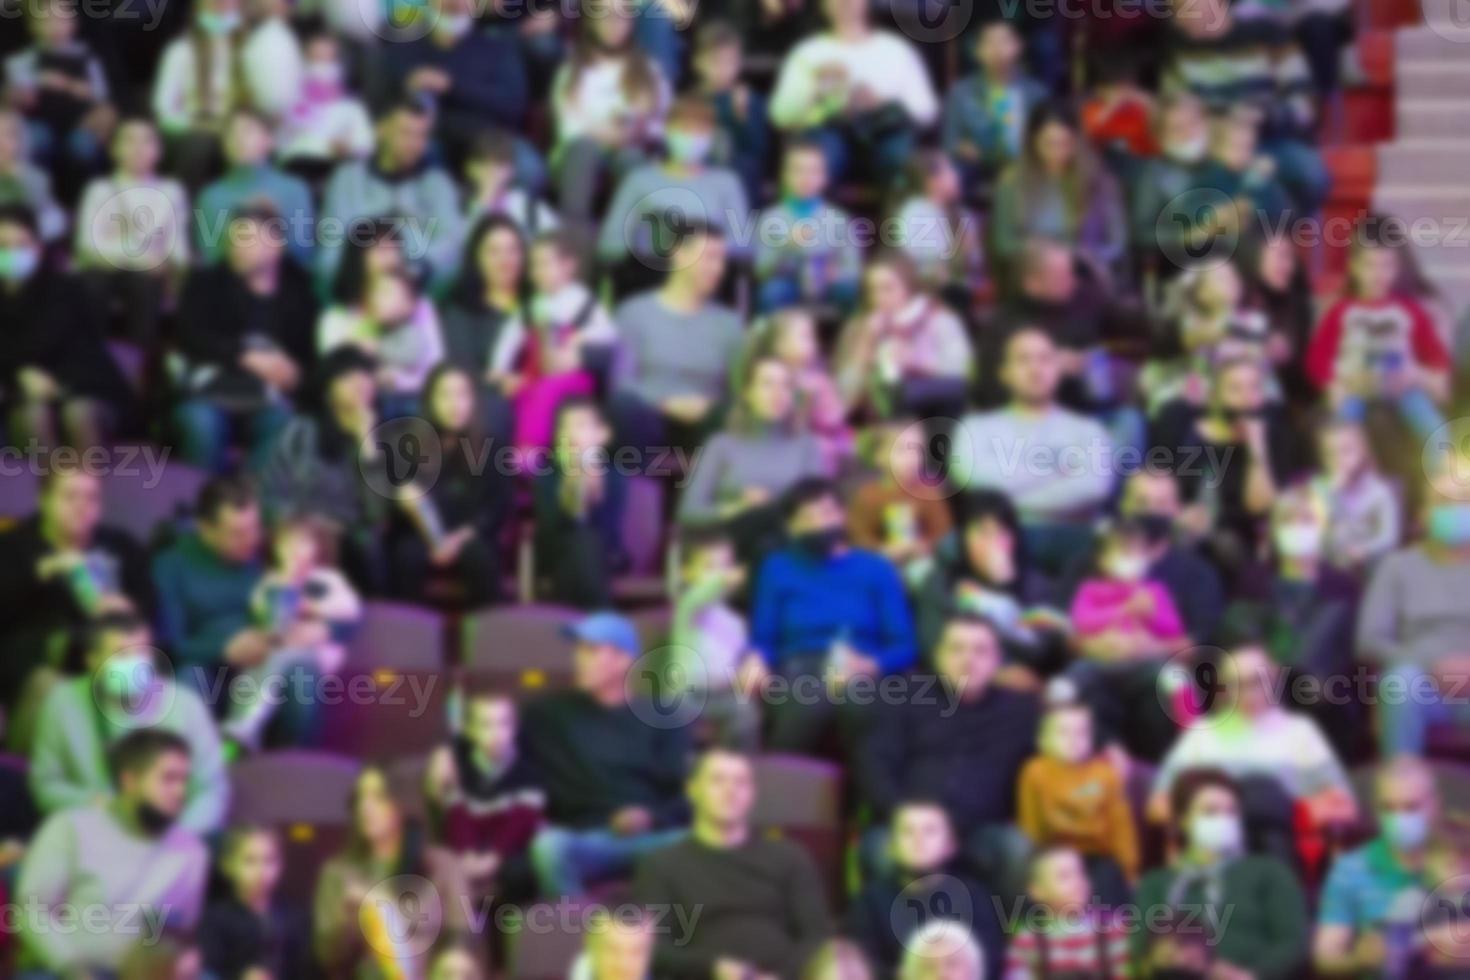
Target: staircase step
<point>1434,78</point>
<point>1423,161</point>
<point>1429,118</point>
<point>1430,41</point>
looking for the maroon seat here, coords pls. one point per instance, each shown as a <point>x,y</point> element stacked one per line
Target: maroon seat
<point>800,799</point>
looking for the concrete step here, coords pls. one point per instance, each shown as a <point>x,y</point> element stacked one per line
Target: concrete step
<point>1436,78</point>
<point>1429,118</point>
<point>1430,41</point>
<point>1423,161</point>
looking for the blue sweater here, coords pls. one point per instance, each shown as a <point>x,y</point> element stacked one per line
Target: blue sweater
<point>202,601</point>
<point>802,604</point>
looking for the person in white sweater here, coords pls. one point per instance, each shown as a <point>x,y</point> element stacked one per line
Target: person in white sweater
<point>862,92</point>
<point>1056,465</point>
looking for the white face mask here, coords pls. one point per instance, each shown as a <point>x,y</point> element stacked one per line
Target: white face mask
<point>1127,567</point>
<point>456,25</point>
<point>324,73</point>
<point>1216,833</point>
<point>1299,540</point>
<point>1191,151</point>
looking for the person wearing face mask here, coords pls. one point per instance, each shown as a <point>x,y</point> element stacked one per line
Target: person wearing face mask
<point>58,382</point>
<point>1236,916</point>
<point>122,690</point>
<point>128,858</point>
<point>1155,232</point>
<point>477,78</point>
<point>684,185</point>
<point>803,253</point>
<point>325,123</point>
<point>1367,888</point>
<point>1414,622</point>
<point>201,78</point>
<point>824,613</point>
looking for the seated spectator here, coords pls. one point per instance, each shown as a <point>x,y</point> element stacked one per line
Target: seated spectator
<point>900,513</point>
<point>1412,622</point>
<point>496,190</point>
<point>447,547</point>
<point>191,104</point>
<point>1230,909</point>
<point>326,124</point>
<point>1057,189</point>
<point>742,127</point>
<point>926,874</point>
<point>244,332</point>
<point>486,798</point>
<point>675,348</point>
<point>741,474</point>
<point>938,233</point>
<point>1278,287</point>
<point>1119,116</point>
<point>654,198</point>
<point>982,568</point>
<point>985,113</point>
<point>916,747</point>
<point>617,947</point>
<point>271,57</point>
<point>58,568</point>
<point>942,950</point>
<point>1072,937</point>
<point>362,924</point>
<point>792,336</point>
<point>709,641</point>
<point>904,350</point>
<point>458,958</point>
<point>1056,465</point>
<point>578,542</point>
<point>762,907</point>
<point>383,315</point>
<point>60,384</point>
<point>1377,345</point>
<point>1368,888</point>
<point>862,93</point>
<point>1161,229</point>
<point>132,230</point>
<point>1236,171</point>
<point>476,79</point>
<point>613,781</point>
<point>1229,62</point>
<point>58,82</point>
<point>1249,735</point>
<point>25,184</point>
<point>399,180</point>
<point>84,719</point>
<point>250,927</point>
<point>1237,445</point>
<point>1362,512</point>
<point>824,614</point>
<point>805,249</point>
<point>1120,614</point>
<point>324,465</point>
<point>609,99</point>
<point>490,291</point>
<point>1071,796</point>
<point>126,859</point>
<point>306,609</point>
<point>838,959</point>
<point>543,353</point>
<point>250,179</point>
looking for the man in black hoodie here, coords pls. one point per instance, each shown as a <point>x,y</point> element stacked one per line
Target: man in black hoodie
<point>612,766</point>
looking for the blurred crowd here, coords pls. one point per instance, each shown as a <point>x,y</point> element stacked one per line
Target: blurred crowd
<point>956,386</point>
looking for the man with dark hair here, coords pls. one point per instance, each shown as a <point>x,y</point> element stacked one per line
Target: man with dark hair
<point>122,690</point>
<point>762,911</point>
<point>58,567</point>
<point>204,581</point>
<point>123,867</point>
<point>824,614</point>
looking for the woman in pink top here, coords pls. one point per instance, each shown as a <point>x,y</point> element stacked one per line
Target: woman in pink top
<point>1119,613</point>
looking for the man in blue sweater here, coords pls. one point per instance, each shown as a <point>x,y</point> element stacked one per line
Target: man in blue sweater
<point>824,614</point>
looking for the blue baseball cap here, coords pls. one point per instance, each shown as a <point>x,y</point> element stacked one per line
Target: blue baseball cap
<point>606,627</point>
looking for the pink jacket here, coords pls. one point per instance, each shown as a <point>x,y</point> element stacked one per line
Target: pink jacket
<point>1100,603</point>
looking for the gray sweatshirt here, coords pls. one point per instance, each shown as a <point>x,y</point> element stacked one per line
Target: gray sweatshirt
<point>90,889</point>
<point>729,464</point>
<point>1415,609</point>
<point>713,196</point>
<point>1057,467</point>
<point>665,353</point>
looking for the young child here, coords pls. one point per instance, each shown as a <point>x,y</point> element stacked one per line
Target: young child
<point>327,124</point>
<point>942,236</point>
<point>539,364</point>
<point>803,251</point>
<point>248,927</point>
<point>486,799</point>
<point>985,113</point>
<point>901,512</point>
<point>791,337</point>
<point>1070,795</point>
<point>307,607</point>
<point>578,510</point>
<point>743,135</point>
<point>710,639</point>
<point>1119,115</point>
<point>59,84</point>
<point>1364,520</point>
<point>490,170</point>
<point>1377,344</point>
<point>1072,939</point>
<point>398,326</point>
<point>925,873</point>
<point>1120,614</point>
